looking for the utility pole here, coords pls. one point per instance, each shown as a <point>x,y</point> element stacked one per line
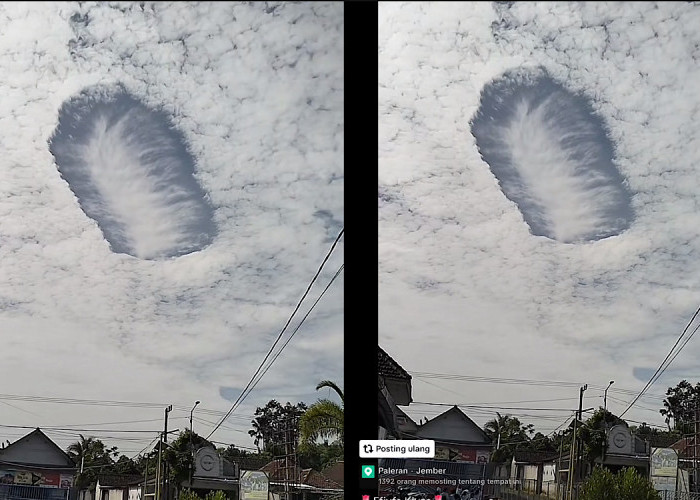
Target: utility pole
<point>160,450</point>
<point>145,479</point>
<point>572,454</point>
<point>191,443</point>
<point>580,417</point>
<point>166,488</point>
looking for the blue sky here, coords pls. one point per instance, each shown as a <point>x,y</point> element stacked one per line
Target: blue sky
<point>144,310</point>
<point>522,269</point>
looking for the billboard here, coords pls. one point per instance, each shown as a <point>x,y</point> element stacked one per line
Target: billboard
<point>664,462</point>
<point>254,485</point>
<point>32,478</point>
<point>456,453</point>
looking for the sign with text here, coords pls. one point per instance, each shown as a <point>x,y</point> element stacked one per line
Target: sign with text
<point>254,485</point>
<point>664,462</point>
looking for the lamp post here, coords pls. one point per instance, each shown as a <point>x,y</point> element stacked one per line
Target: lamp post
<point>191,444</point>
<point>605,396</point>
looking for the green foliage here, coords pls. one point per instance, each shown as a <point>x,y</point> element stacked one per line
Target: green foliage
<point>680,406</point>
<point>325,419</point>
<point>318,456</point>
<point>188,494</point>
<point>602,485</point>
<point>513,435</point>
<point>625,485</point>
<point>592,433</point>
<point>178,454</point>
<point>216,495</point>
<point>94,457</point>
<point>270,423</point>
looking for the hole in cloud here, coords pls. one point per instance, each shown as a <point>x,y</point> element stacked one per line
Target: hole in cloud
<point>229,393</point>
<point>552,157</point>
<point>131,171</point>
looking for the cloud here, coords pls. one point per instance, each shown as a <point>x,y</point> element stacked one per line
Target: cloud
<point>552,157</point>
<point>256,95</point>
<point>132,173</point>
<point>464,285</point>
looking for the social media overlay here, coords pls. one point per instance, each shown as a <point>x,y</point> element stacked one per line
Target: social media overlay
<point>397,448</point>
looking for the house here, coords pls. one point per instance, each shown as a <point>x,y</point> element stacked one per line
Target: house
<point>394,389</point>
<point>118,487</point>
<point>336,472</point>
<point>213,472</point>
<point>302,484</point>
<point>34,467</point>
<point>625,449</point>
<point>462,452</point>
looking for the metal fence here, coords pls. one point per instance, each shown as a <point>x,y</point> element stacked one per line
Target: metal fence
<point>678,495</point>
<point>21,492</point>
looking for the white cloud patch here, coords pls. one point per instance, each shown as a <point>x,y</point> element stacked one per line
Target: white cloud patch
<point>256,91</point>
<point>464,286</point>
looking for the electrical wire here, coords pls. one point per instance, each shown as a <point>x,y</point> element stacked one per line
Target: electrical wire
<point>659,371</point>
<point>279,336</point>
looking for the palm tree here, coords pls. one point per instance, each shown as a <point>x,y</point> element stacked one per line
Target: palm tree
<point>90,452</point>
<point>507,432</point>
<point>324,419</point>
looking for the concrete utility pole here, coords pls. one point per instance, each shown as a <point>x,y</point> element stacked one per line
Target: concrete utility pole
<point>166,490</point>
<point>191,444</point>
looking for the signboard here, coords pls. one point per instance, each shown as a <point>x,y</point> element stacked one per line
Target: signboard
<point>664,462</point>
<point>254,485</point>
<point>455,453</point>
<point>662,483</point>
<point>31,478</point>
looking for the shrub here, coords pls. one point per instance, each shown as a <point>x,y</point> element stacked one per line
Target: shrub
<point>625,485</point>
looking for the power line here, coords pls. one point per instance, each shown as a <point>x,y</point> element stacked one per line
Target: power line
<point>279,336</point>
<point>659,371</point>
<point>495,407</point>
<point>244,394</point>
<point>71,429</point>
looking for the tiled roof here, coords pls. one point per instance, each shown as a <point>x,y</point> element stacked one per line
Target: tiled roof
<point>118,480</point>
<point>390,368</point>
<point>276,472</point>
<point>336,472</point>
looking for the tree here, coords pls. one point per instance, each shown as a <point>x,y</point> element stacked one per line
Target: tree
<point>680,406</point>
<point>319,456</point>
<point>593,433</point>
<point>92,456</point>
<point>625,485</point>
<point>178,454</point>
<point>324,419</point>
<point>270,423</point>
<point>509,434</point>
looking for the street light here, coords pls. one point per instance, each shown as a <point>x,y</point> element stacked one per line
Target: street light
<point>605,396</point>
<point>191,444</point>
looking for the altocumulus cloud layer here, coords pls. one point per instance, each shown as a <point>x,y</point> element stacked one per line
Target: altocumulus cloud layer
<point>204,139</point>
<point>132,173</point>
<point>501,123</point>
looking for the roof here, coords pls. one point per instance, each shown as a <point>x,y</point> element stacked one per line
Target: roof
<point>438,428</point>
<point>683,445</point>
<point>16,448</point>
<point>336,472</point>
<point>533,457</point>
<point>387,367</point>
<point>276,472</point>
<point>118,480</point>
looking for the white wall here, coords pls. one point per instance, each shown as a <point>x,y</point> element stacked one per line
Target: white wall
<point>530,472</point>
<point>548,473</point>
